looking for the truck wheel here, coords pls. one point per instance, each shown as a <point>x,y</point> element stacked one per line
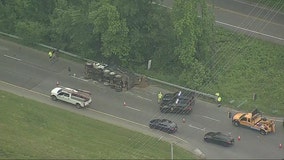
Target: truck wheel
<point>262,132</point>
<point>78,105</point>
<point>236,123</point>
<point>53,98</point>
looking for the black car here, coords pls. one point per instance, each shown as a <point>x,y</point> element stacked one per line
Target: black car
<point>219,138</point>
<point>183,104</point>
<point>164,125</point>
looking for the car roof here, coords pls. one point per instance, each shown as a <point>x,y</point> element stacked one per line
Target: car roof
<point>162,120</point>
<point>222,135</point>
<point>184,93</point>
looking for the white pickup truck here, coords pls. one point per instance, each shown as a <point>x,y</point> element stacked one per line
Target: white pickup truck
<point>79,98</point>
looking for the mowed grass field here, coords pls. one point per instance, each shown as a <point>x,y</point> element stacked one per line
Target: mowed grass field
<point>33,130</point>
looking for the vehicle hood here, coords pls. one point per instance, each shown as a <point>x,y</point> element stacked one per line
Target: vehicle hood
<point>55,90</point>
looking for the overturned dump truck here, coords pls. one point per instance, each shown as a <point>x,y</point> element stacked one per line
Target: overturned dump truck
<point>116,77</point>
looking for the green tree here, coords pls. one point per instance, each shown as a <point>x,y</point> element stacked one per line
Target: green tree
<point>71,28</point>
<point>185,16</point>
<point>191,37</point>
<point>7,16</point>
<point>140,16</point>
<point>112,30</point>
<point>206,39</point>
<point>30,31</point>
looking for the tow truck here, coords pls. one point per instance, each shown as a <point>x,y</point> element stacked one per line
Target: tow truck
<point>254,120</point>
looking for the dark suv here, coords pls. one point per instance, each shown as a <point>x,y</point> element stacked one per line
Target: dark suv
<point>178,102</point>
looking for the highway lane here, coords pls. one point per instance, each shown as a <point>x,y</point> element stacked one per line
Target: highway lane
<point>31,69</point>
<point>247,18</point>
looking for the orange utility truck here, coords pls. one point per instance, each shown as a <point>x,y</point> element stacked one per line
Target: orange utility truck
<point>255,121</point>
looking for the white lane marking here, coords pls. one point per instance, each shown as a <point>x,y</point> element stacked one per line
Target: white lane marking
<point>263,34</point>
<point>179,138</point>
<point>80,78</point>
<point>132,108</point>
<point>202,129</point>
<point>211,118</point>
<point>256,5</point>
<point>144,98</point>
<point>12,57</point>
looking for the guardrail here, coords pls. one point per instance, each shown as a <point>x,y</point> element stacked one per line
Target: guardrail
<point>183,88</point>
<point>153,79</point>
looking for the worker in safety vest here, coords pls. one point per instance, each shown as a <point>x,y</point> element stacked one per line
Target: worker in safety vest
<point>50,54</point>
<point>219,99</point>
<point>160,96</point>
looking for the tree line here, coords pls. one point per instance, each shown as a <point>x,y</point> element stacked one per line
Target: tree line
<point>179,41</point>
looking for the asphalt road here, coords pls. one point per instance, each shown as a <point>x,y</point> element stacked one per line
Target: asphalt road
<point>32,75</point>
<point>245,17</point>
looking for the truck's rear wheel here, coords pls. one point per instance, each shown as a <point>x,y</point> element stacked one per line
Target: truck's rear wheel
<point>53,98</point>
<point>262,132</point>
<point>236,123</point>
<point>78,105</point>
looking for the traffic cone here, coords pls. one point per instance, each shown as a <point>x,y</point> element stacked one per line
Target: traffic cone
<point>183,120</point>
<point>57,83</point>
<point>280,145</point>
<point>239,138</point>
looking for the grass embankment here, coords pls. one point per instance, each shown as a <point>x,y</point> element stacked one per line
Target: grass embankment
<point>32,130</point>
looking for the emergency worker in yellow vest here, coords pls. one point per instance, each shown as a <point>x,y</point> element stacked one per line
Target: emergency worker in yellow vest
<point>50,54</point>
<point>160,96</point>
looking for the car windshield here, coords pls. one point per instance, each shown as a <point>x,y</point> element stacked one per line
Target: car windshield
<point>59,90</point>
<point>222,136</point>
<point>242,116</point>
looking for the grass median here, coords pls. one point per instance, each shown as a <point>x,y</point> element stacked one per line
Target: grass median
<point>33,130</point>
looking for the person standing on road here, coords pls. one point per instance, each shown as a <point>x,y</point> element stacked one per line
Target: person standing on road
<point>50,54</point>
<point>219,99</point>
<point>160,95</point>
